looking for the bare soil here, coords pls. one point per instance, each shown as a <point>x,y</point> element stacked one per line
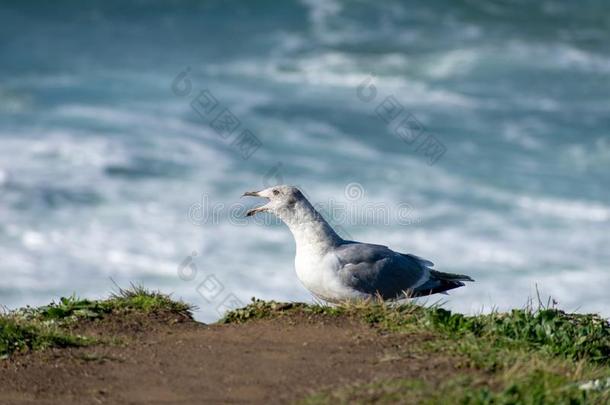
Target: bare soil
<point>167,360</point>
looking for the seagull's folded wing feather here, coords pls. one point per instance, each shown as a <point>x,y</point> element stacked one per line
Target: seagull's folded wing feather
<point>376,269</point>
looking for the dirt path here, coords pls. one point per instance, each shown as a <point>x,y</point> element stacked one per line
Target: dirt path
<point>161,361</point>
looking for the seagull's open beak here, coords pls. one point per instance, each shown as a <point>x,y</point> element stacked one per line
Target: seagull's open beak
<point>257,209</point>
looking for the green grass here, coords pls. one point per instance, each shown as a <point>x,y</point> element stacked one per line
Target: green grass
<point>574,336</point>
<point>526,356</point>
<point>134,299</point>
<point>39,328</point>
<point>532,389</point>
<point>20,335</point>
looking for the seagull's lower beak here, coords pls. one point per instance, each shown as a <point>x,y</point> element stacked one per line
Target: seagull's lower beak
<point>257,209</point>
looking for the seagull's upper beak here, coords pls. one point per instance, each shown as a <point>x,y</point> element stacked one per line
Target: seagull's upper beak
<point>257,209</point>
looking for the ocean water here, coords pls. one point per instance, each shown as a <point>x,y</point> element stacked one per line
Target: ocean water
<point>474,134</point>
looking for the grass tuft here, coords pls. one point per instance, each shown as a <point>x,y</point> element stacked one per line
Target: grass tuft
<point>260,309</point>
<point>138,298</point>
<point>134,299</point>
<point>574,336</point>
<point>18,335</point>
<point>49,326</point>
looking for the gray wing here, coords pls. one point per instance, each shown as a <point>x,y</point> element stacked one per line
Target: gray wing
<point>376,269</point>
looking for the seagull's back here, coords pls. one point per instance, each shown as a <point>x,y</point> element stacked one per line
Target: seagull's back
<point>376,269</point>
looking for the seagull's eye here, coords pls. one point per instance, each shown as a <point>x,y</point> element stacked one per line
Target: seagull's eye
<point>276,192</point>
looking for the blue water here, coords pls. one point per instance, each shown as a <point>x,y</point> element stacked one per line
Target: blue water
<point>109,175</point>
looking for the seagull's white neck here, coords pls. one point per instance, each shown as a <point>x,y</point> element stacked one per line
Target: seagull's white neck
<point>310,230</point>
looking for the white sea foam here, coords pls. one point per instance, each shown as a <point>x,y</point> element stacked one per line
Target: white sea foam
<point>558,56</point>
<point>453,63</point>
<point>3,177</point>
<point>344,70</point>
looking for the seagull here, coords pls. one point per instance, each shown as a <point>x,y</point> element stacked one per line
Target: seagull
<point>337,270</point>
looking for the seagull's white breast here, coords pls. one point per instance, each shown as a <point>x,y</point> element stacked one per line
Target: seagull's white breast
<point>316,266</point>
<point>319,274</point>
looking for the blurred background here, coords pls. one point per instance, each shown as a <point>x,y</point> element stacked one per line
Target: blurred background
<point>112,156</point>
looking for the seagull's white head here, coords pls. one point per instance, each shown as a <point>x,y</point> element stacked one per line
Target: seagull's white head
<point>290,205</point>
<point>281,199</point>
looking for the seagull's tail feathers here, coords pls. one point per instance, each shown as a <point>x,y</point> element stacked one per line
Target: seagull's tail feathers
<point>449,276</point>
<point>440,282</point>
